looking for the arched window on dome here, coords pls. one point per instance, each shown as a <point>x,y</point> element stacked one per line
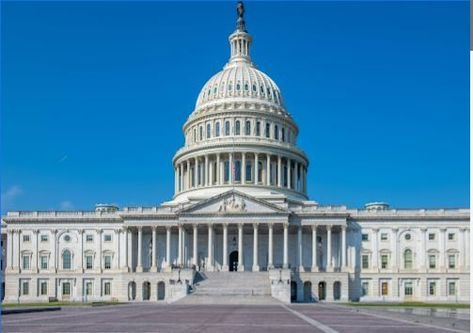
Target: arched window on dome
<point>230,85</point>
<point>227,128</point>
<point>194,139</point>
<point>248,171</point>
<point>288,136</point>
<point>276,132</point>
<point>201,133</point>
<point>269,92</point>
<point>66,259</point>
<point>408,259</point>
<point>217,129</point>
<point>254,87</point>
<point>283,134</point>
<point>208,131</point>
<point>258,128</point>
<point>246,86</point>
<point>248,127</point>
<point>267,131</point>
<point>261,90</point>
<point>238,86</point>
<point>237,127</point>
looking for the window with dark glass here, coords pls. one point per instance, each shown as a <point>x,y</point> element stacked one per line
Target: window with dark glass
<point>208,131</point>
<point>258,128</point>
<point>237,127</point>
<point>248,127</point>
<point>226,171</point>
<point>217,129</point>
<point>227,128</point>
<point>237,171</point>
<point>268,126</point>
<point>248,171</point>
<point>276,132</point>
<point>66,260</point>
<point>283,134</point>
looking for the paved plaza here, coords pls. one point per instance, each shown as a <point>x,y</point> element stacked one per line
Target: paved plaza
<point>214,318</point>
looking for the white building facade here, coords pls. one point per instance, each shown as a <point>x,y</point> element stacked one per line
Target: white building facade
<point>240,205</point>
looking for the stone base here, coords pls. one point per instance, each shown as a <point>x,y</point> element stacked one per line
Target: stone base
<point>301,269</point>
<point>153,269</point>
<point>255,268</point>
<point>139,269</point>
<point>314,269</point>
<point>241,268</point>
<point>224,268</point>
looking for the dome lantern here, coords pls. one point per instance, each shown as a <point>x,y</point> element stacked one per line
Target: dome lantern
<point>240,40</point>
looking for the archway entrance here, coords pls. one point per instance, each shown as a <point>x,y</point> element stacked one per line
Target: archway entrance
<point>132,291</point>
<point>322,287</point>
<point>146,291</point>
<point>161,291</point>
<point>233,262</point>
<point>337,290</point>
<point>293,291</point>
<point>308,291</point>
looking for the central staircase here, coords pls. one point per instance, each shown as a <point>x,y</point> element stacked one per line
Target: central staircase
<point>230,288</point>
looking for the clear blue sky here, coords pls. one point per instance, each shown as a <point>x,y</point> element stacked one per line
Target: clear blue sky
<point>94,96</point>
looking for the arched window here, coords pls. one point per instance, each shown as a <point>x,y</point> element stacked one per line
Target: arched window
<point>66,259</point>
<point>408,259</point>
<point>267,134</point>
<point>248,128</point>
<point>201,133</point>
<point>208,131</point>
<point>276,132</point>
<point>283,134</point>
<point>238,86</point>
<point>260,172</point>
<point>258,128</point>
<point>226,171</point>
<point>227,128</point>
<point>237,127</point>
<point>248,171</point>
<point>194,139</point>
<point>237,169</point>
<point>217,129</point>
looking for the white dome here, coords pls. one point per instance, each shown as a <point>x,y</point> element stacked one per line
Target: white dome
<point>236,80</point>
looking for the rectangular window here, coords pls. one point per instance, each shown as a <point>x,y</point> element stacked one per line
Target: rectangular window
<point>108,262</point>
<point>248,171</point>
<point>248,128</point>
<point>267,131</point>
<point>432,288</point>
<point>226,171</point>
<point>432,261</point>
<point>365,261</point>
<point>25,288</point>
<point>88,288</point>
<point>107,238</point>
<point>26,262</point>
<point>89,238</point>
<point>364,237</point>
<point>44,238</point>
<point>237,171</point>
<point>107,288</point>
<point>89,261</point>
<point>431,236</point>
<point>258,128</point>
<point>66,288</point>
<point>408,288</point>
<point>451,261</point>
<point>44,262</point>
<point>43,288</point>
<point>451,236</point>
<point>384,261</point>
<point>26,238</point>
<point>365,288</point>
<point>384,236</point>
<point>452,288</point>
<point>384,288</point>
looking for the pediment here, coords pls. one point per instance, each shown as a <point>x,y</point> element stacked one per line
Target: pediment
<point>232,203</point>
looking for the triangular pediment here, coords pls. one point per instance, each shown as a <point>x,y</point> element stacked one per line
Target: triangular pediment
<point>232,203</point>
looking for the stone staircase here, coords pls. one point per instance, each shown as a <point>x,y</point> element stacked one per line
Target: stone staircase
<point>230,288</point>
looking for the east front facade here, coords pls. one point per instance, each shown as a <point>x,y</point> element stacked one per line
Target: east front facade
<point>240,225</point>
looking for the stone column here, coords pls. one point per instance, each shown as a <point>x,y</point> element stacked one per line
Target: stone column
<point>279,170</point>
<point>35,257</point>
<point>218,170</point>
<point>466,257</point>
<point>181,178</point>
<point>10,236</point>
<point>329,249</point>
<point>18,255</point>
<point>168,247</point>
<point>211,173</point>
<point>225,248</point>
<point>176,180</point>
<point>256,169</point>
<point>195,253</point>
<point>270,246</point>
<point>289,173</point>
<point>285,261</point>
<point>118,234</point>
<point>423,249</point>
<point>81,249</point>
<point>210,259</point>
<point>206,171</point>
<point>394,265</point>
<point>196,172</point>
<point>314,267</point>
<point>299,249</point>
<point>375,248</point>
<point>268,170</point>
<point>154,262</point>
<point>243,168</point>
<point>442,248</point>
<point>255,248</point>
<point>54,259</point>
<point>344,247</point>
<point>179,245</point>
<point>125,232</point>
<point>296,174</point>
<point>241,265</point>
<point>189,177</point>
<point>139,267</point>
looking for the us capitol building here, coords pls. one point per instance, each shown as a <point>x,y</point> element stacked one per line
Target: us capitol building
<point>240,227</point>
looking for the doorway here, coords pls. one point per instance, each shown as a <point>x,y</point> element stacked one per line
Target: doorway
<point>161,291</point>
<point>293,291</point>
<point>233,261</point>
<point>322,287</point>
<point>308,292</point>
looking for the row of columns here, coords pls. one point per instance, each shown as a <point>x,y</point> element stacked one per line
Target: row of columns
<point>225,266</point>
<point>188,173</point>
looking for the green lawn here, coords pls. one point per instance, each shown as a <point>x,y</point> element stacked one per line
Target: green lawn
<point>28,305</point>
<point>414,305</point>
